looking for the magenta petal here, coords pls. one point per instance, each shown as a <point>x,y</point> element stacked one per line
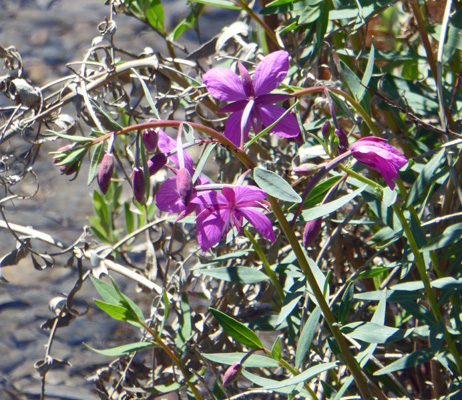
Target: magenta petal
<point>233,128</point>
<point>260,221</point>
<point>273,98</point>
<point>167,144</point>
<point>210,228</point>
<point>224,84</point>
<point>270,72</point>
<point>287,126</point>
<point>233,107</point>
<point>246,194</point>
<point>167,198</point>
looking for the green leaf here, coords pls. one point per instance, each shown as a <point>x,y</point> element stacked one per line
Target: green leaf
<point>105,290</point>
<point>219,3</point>
<point>154,13</point>
<point>326,209</point>
<point>425,178</point>
<point>147,94</point>
<point>370,66</point>
<point>346,302</point>
<point>451,235</point>
<point>243,275</point>
<point>79,139</point>
<point>370,332</point>
<point>203,160</point>
<point>96,157</point>
<point>293,296</point>
<point>408,361</point>
<point>118,312</point>
<point>184,321</point>
<point>275,186</point>
<point>237,330</point>
<point>225,257</point>
<point>353,82</point>
<point>254,361</point>
<point>276,349</point>
<point>270,384</point>
<point>306,337</point>
<point>122,350</point>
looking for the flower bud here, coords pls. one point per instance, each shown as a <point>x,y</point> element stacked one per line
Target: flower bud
<point>184,185</point>
<point>150,139</point>
<point>343,140</point>
<point>325,130</point>
<point>232,373</point>
<point>69,169</point>
<point>139,188</point>
<point>156,163</point>
<point>305,169</point>
<point>311,232</point>
<point>105,172</point>
<point>59,157</point>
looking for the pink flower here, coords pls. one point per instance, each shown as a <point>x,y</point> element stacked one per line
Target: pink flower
<point>222,212</point>
<point>253,104</point>
<point>375,153</point>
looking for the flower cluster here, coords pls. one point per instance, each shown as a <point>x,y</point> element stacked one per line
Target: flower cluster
<point>217,213</point>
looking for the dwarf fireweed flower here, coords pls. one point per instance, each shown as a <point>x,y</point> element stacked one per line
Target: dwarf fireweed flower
<point>375,153</point>
<point>252,103</point>
<point>220,212</point>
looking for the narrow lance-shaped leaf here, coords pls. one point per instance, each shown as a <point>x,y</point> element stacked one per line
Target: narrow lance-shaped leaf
<point>237,330</point>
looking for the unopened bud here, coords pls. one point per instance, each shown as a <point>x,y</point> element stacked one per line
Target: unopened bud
<point>325,130</point>
<point>59,157</point>
<point>343,140</point>
<point>156,163</point>
<point>139,188</point>
<point>311,232</point>
<point>184,185</point>
<point>105,172</point>
<point>232,373</point>
<point>150,139</point>
<point>69,169</point>
<point>305,169</point>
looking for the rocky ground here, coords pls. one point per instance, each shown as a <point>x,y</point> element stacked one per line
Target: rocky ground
<point>49,34</point>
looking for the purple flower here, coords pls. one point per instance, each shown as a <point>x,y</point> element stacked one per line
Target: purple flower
<point>375,153</point>
<point>222,212</point>
<point>253,105</point>
<point>172,194</point>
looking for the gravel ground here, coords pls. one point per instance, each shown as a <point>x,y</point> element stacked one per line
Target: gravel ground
<point>48,34</point>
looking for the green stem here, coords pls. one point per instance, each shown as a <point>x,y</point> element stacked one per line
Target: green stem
<point>174,358</point>
<point>271,274</point>
<point>348,358</point>
<point>346,96</point>
<point>420,263</point>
